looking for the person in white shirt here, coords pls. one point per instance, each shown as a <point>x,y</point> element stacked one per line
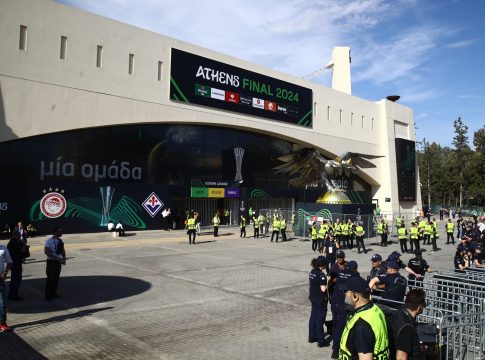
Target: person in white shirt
<point>119,228</point>
<point>166,219</point>
<point>56,257</point>
<point>5,264</point>
<point>111,226</point>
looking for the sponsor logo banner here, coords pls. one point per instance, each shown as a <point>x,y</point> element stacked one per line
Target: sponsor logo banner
<point>152,204</point>
<point>245,100</point>
<point>269,105</point>
<point>218,94</point>
<point>231,192</point>
<point>282,109</point>
<point>198,80</point>
<point>258,103</point>
<point>199,192</point>
<point>202,90</point>
<point>232,97</point>
<point>215,192</point>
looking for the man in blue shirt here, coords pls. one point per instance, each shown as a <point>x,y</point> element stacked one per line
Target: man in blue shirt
<point>394,284</point>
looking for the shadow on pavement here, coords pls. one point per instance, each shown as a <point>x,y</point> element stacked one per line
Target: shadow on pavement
<point>76,291</point>
<point>59,318</point>
<point>204,242</point>
<point>13,347</point>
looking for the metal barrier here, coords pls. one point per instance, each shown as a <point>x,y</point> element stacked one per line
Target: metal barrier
<point>456,310</point>
<point>303,221</point>
<point>458,336</point>
<point>269,214</point>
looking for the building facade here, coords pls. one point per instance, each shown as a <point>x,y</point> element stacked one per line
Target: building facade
<point>101,120</point>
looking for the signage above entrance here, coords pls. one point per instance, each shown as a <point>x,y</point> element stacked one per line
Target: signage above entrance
<point>198,80</point>
<point>214,189</point>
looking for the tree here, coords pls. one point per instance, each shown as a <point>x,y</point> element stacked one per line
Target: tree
<point>479,140</point>
<point>432,172</point>
<point>462,154</point>
<point>476,187</point>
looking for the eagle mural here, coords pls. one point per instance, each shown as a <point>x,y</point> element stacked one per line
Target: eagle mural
<point>308,166</point>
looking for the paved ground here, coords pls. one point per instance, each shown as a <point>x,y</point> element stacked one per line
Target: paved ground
<point>151,295</point>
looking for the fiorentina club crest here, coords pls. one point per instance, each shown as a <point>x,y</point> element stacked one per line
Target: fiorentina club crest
<point>153,204</point>
<point>53,204</point>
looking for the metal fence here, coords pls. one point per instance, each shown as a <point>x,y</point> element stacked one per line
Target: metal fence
<point>454,318</point>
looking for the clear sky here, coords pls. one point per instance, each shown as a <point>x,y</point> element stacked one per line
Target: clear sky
<point>430,52</point>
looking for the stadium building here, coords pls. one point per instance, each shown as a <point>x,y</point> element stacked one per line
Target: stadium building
<point>101,120</point>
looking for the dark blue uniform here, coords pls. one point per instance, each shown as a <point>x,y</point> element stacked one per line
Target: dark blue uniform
<point>395,288</point>
<point>458,260</point>
<point>419,266</point>
<point>339,312</point>
<point>330,250</point>
<point>319,302</point>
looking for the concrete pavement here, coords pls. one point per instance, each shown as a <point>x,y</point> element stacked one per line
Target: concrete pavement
<point>151,295</point>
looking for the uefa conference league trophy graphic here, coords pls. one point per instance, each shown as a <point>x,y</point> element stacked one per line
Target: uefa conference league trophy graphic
<point>239,154</point>
<point>106,197</point>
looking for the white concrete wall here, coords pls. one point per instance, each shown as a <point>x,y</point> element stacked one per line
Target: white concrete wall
<point>41,93</point>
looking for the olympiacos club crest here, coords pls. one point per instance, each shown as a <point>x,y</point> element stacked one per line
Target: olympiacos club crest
<point>53,205</point>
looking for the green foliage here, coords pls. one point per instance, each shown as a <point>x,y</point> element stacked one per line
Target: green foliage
<point>444,172</point>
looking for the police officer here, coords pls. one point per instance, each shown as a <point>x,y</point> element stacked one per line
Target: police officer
<point>402,235</point>
<point>283,228</point>
<point>359,237</point>
<point>256,227</point>
<point>365,334</point>
<point>351,233</point>
<point>276,229</point>
<point>261,220</point>
<point>396,256</point>
<point>216,221</point>
<point>419,266</point>
<point>414,236</point>
<point>330,247</point>
<point>337,231</point>
<point>427,233</point>
<point>421,226</point>
<point>382,229</point>
<point>266,222</point>
<point>314,236</point>
<point>243,226</point>
<point>321,235</point>
<point>394,284</point>
<point>450,227</point>
<point>191,228</point>
<point>376,267</point>
<point>319,300</point>
<point>434,236</point>
<point>461,260</point>
<point>344,228</point>
<point>339,274</point>
<point>478,257</point>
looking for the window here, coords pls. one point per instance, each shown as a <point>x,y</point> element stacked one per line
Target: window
<point>99,56</point>
<point>328,113</point>
<point>362,121</point>
<point>351,119</point>
<point>63,53</point>
<point>372,123</point>
<point>315,108</point>
<point>23,38</point>
<point>131,64</point>
<point>160,68</point>
<point>340,116</point>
